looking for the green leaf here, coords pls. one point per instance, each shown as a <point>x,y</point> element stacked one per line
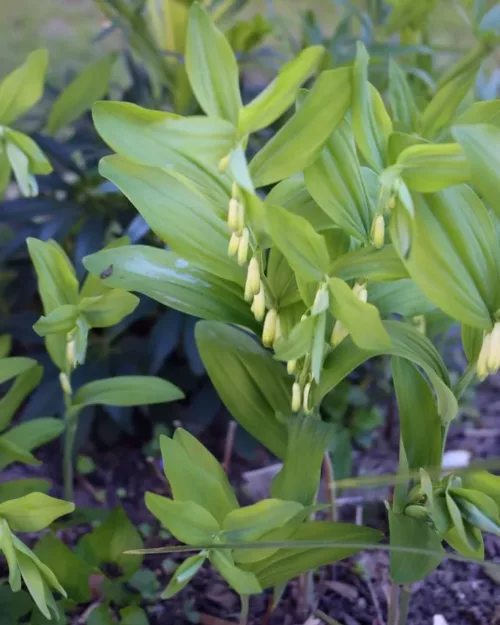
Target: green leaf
<point>408,532</point>
<point>252,522</point>
<point>288,563</point>
<point>369,263</point>
<point>183,575</point>
<point>34,433</point>
<point>402,297</point>
<point>5,345</point>
<point>163,139</point>
<point>463,538</point>
<point>211,67</point>
<point>90,85</point>
<point>418,415</point>
<point>34,583</point>
<point>299,142</point>
<point>403,105</point>
<point>72,573</point>
<point>34,512</point>
<point>57,283</point>
<point>298,342</point>
<point>253,386</point>
<point>109,541</point>
<point>60,321</point>
<point>304,249</point>
<point>187,221</point>
<point>407,343</point>
<point>429,168</point>
<point>20,164</point>
<point>7,547</point>
<point>22,88</point>
<point>472,341</point>
<point>127,390</point>
<point>243,582</point>
<point>452,257</point>
<point>10,452</point>
<point>361,319</point>
<point>19,488</point>
<point>280,94</point>
<point>12,367</point>
<point>335,182</point>
<point>191,480</point>
<point>172,281</point>
<point>308,439</point>
<point>370,122</point>
<point>484,482</point>
<point>132,615</point>
<point>108,309</point>
<point>481,145</point>
<point>185,520</point>
<point>478,509</point>
<point>38,163</point>
<point>480,113</point>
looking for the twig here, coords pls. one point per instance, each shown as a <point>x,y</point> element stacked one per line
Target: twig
<point>228,447</point>
<point>151,461</point>
<point>373,596</point>
<point>85,616</point>
<point>245,609</point>
<point>91,490</point>
<point>330,485</point>
<point>324,617</point>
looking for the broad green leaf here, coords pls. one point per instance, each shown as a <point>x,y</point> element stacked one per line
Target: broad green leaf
<point>453,255</point>
<point>402,297</point>
<point>47,574</point>
<point>252,522</point>
<point>361,319</point>
<point>304,249</point>
<point>19,488</point>
<point>163,139</point>
<point>133,615</point>
<point>243,582</point>
<point>335,182</point>
<point>126,390</point>
<point>60,321</point>
<point>81,93</point>
<point>256,218</point>
<point>472,341</point>
<point>20,164</point>
<point>5,345</point>
<point>183,575</point>
<point>407,343</point>
<point>405,531</point>
<point>185,520</point>
<point>10,452</point>
<point>34,512</point>
<point>12,367</point>
<point>430,167</point>
<point>107,543</point>
<point>22,386</point>
<point>299,142</point>
<point>35,584</point>
<point>308,439</point>
<point>253,386</point>
<point>481,144</point>
<point>190,480</point>
<point>108,309</point>
<point>38,163</point>
<point>478,509</point>
<point>484,482</point>
<point>94,285</point>
<point>370,122</point>
<point>57,283</point>
<point>403,105</point>
<point>418,415</point>
<point>463,537</point>
<point>186,220</point>
<point>211,67</point>
<point>172,281</point>
<point>72,573</point>
<point>280,94</point>
<point>22,88</point>
<point>298,341</point>
<point>35,433</point>
<point>288,563</point>
<point>369,263</point>
<point>7,548</point>
<point>480,113</point>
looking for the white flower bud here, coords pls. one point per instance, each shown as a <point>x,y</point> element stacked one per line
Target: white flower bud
<point>484,355</point>
<point>70,351</point>
<point>233,215</point>
<point>493,362</point>
<point>269,330</point>
<point>234,244</point>
<point>339,333</point>
<point>305,400</point>
<point>65,384</point>
<point>291,367</point>
<point>296,397</point>
<point>252,285</point>
<point>361,292</point>
<point>259,305</point>
<point>377,233</point>
<point>243,247</point>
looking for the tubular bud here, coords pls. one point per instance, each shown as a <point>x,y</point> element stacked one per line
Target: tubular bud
<point>493,361</point>
<point>259,305</point>
<point>321,301</point>
<point>243,247</point>
<point>233,214</point>
<point>234,244</point>
<point>339,333</point>
<point>70,352</point>
<point>252,285</point>
<point>296,397</point>
<point>361,292</point>
<point>269,331</point>
<point>291,367</point>
<point>484,356</point>
<point>65,384</point>
<point>377,233</point>
<point>305,399</point>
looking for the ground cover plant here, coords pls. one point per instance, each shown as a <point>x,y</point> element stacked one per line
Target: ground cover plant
<point>369,213</point>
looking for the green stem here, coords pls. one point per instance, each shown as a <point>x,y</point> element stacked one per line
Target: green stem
<point>245,609</point>
<point>392,616</point>
<point>68,471</point>
<point>404,604</point>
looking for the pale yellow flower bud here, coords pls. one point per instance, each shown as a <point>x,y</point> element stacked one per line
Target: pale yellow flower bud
<point>493,362</point>
<point>269,330</point>
<point>252,285</point>
<point>291,367</point>
<point>361,292</point>
<point>420,324</point>
<point>305,400</point>
<point>296,397</point>
<point>234,244</point>
<point>484,355</point>
<point>259,305</point>
<point>243,247</point>
<point>70,351</point>
<point>377,233</point>
<point>233,215</point>
<point>65,384</point>
<point>339,333</point>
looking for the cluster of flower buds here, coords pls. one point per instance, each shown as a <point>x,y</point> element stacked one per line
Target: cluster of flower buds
<point>340,332</point>
<point>488,362</point>
<point>300,396</point>
<point>240,237</point>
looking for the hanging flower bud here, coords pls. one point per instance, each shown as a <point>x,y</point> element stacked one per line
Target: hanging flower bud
<point>291,367</point>
<point>493,362</point>
<point>361,292</point>
<point>223,163</point>
<point>234,244</point>
<point>252,285</point>
<point>484,356</point>
<point>243,247</point>
<point>259,304</point>
<point>339,333</point>
<point>70,351</point>
<point>233,215</point>
<point>296,397</point>
<point>420,323</point>
<point>65,384</point>
<point>377,233</point>
<point>269,330</point>
<point>305,400</point>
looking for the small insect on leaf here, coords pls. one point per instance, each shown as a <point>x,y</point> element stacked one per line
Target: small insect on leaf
<point>107,272</point>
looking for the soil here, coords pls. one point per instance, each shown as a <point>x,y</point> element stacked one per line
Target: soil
<point>353,592</point>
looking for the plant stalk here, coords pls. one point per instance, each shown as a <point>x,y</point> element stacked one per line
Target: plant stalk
<point>245,609</point>
<point>404,604</point>
<point>392,614</point>
<point>68,470</point>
